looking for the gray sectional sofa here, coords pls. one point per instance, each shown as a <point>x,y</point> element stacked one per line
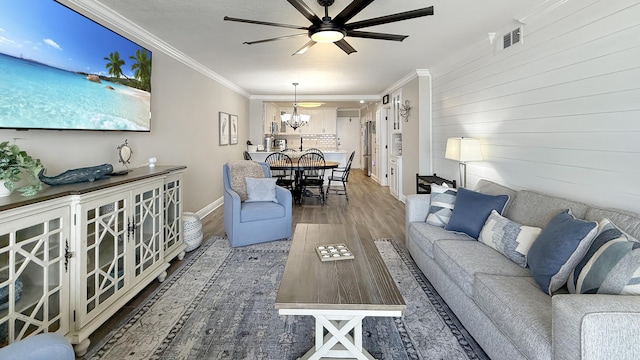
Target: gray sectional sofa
<point>501,305</point>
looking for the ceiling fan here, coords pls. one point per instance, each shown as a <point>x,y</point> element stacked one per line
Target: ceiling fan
<point>334,30</point>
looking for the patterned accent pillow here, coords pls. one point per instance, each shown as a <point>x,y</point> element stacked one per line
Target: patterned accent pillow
<point>558,249</point>
<point>443,199</point>
<point>611,265</point>
<point>508,237</point>
<point>261,189</point>
<point>239,170</point>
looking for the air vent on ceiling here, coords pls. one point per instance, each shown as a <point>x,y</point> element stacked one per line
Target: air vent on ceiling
<point>512,37</point>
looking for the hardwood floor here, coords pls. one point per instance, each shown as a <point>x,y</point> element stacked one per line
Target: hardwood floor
<point>369,204</point>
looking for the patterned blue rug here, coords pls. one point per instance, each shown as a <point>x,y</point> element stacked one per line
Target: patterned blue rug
<point>220,305</point>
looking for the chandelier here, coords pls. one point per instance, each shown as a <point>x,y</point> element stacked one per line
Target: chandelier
<point>295,120</point>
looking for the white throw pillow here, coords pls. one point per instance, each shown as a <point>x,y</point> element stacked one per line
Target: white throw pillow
<point>508,237</point>
<point>261,189</point>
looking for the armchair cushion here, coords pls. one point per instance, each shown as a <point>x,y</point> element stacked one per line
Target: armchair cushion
<point>239,170</point>
<point>254,211</point>
<point>261,189</point>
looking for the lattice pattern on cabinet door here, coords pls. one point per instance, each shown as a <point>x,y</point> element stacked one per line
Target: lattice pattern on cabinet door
<point>173,214</point>
<point>31,266</point>
<point>106,251</point>
<point>148,229</point>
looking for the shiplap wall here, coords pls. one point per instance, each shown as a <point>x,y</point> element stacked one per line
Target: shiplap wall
<point>559,113</point>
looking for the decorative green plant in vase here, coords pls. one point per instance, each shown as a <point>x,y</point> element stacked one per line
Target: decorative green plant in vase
<point>13,163</point>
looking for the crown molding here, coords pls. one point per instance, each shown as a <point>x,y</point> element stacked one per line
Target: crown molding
<point>405,79</point>
<point>301,98</point>
<point>97,10</point>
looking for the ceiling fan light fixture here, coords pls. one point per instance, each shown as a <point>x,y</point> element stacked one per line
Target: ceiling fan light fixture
<point>327,36</point>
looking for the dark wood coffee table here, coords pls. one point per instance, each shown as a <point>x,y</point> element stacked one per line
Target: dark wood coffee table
<point>339,294</point>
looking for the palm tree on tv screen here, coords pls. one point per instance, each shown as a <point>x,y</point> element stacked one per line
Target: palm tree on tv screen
<point>142,68</point>
<point>114,64</point>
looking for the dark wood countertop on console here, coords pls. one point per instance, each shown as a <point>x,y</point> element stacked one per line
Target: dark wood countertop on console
<point>52,192</point>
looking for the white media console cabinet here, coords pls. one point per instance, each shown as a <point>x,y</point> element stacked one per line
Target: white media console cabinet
<point>73,255</point>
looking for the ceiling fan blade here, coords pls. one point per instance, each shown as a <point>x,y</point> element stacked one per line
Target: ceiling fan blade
<point>226,18</point>
<point>342,44</point>
<point>306,11</point>
<point>273,39</point>
<point>391,18</point>
<point>375,35</point>
<point>351,10</point>
<point>304,49</point>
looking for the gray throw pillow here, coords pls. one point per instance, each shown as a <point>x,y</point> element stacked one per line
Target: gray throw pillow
<point>611,265</point>
<point>443,199</point>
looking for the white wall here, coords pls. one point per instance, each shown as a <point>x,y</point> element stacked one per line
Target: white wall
<point>184,131</point>
<point>559,113</point>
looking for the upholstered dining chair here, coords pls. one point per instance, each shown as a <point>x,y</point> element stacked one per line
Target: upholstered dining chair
<point>249,222</point>
<point>312,165</point>
<point>341,175</point>
<point>285,177</point>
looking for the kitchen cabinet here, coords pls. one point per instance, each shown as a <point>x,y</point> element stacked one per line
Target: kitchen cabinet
<point>77,253</point>
<point>395,176</point>
<point>396,100</point>
<point>322,121</point>
<point>271,115</point>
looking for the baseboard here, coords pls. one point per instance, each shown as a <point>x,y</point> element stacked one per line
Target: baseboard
<point>210,208</point>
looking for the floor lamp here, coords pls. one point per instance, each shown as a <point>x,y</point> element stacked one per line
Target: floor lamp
<point>462,150</point>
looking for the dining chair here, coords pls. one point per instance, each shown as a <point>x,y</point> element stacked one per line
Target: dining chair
<point>314,150</point>
<point>285,177</point>
<point>289,150</point>
<point>246,155</point>
<point>312,165</point>
<point>341,175</point>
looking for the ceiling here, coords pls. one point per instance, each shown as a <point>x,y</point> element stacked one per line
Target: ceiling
<point>196,28</point>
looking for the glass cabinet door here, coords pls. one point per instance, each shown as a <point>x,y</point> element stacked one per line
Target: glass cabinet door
<point>148,228</point>
<point>34,275</point>
<point>173,217</point>
<point>103,253</point>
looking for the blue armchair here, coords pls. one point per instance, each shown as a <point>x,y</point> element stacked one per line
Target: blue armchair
<point>49,346</point>
<point>249,223</point>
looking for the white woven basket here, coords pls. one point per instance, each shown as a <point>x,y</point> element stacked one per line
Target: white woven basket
<point>192,231</point>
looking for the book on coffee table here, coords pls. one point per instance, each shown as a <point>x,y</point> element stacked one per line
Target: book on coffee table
<point>333,252</point>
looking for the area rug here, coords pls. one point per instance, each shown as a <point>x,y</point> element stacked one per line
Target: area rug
<point>220,305</point>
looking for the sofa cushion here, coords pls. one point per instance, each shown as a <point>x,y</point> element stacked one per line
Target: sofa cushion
<point>443,199</point>
<point>424,235</point>
<point>261,189</point>
<point>239,170</point>
<point>536,209</point>
<point>490,188</point>
<point>472,210</point>
<point>626,221</point>
<point>611,265</point>
<point>558,249</point>
<point>462,260</point>
<point>253,211</point>
<point>508,237</point>
<point>518,307</point>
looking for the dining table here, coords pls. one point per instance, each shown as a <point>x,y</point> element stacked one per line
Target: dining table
<point>298,171</point>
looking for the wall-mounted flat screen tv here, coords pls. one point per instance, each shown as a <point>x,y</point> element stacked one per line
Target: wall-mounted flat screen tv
<point>60,70</point>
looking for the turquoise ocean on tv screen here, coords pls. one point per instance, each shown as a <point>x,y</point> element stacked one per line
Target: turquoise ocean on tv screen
<point>35,95</point>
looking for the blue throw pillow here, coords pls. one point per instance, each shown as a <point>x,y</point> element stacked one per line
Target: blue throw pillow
<point>472,210</point>
<point>558,249</point>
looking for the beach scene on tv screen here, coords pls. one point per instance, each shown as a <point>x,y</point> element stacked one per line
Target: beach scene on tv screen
<point>61,70</point>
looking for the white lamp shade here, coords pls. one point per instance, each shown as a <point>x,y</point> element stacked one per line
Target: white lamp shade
<point>463,149</point>
<point>285,117</point>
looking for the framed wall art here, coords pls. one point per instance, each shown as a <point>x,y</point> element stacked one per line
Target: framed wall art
<point>234,129</point>
<point>223,128</point>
